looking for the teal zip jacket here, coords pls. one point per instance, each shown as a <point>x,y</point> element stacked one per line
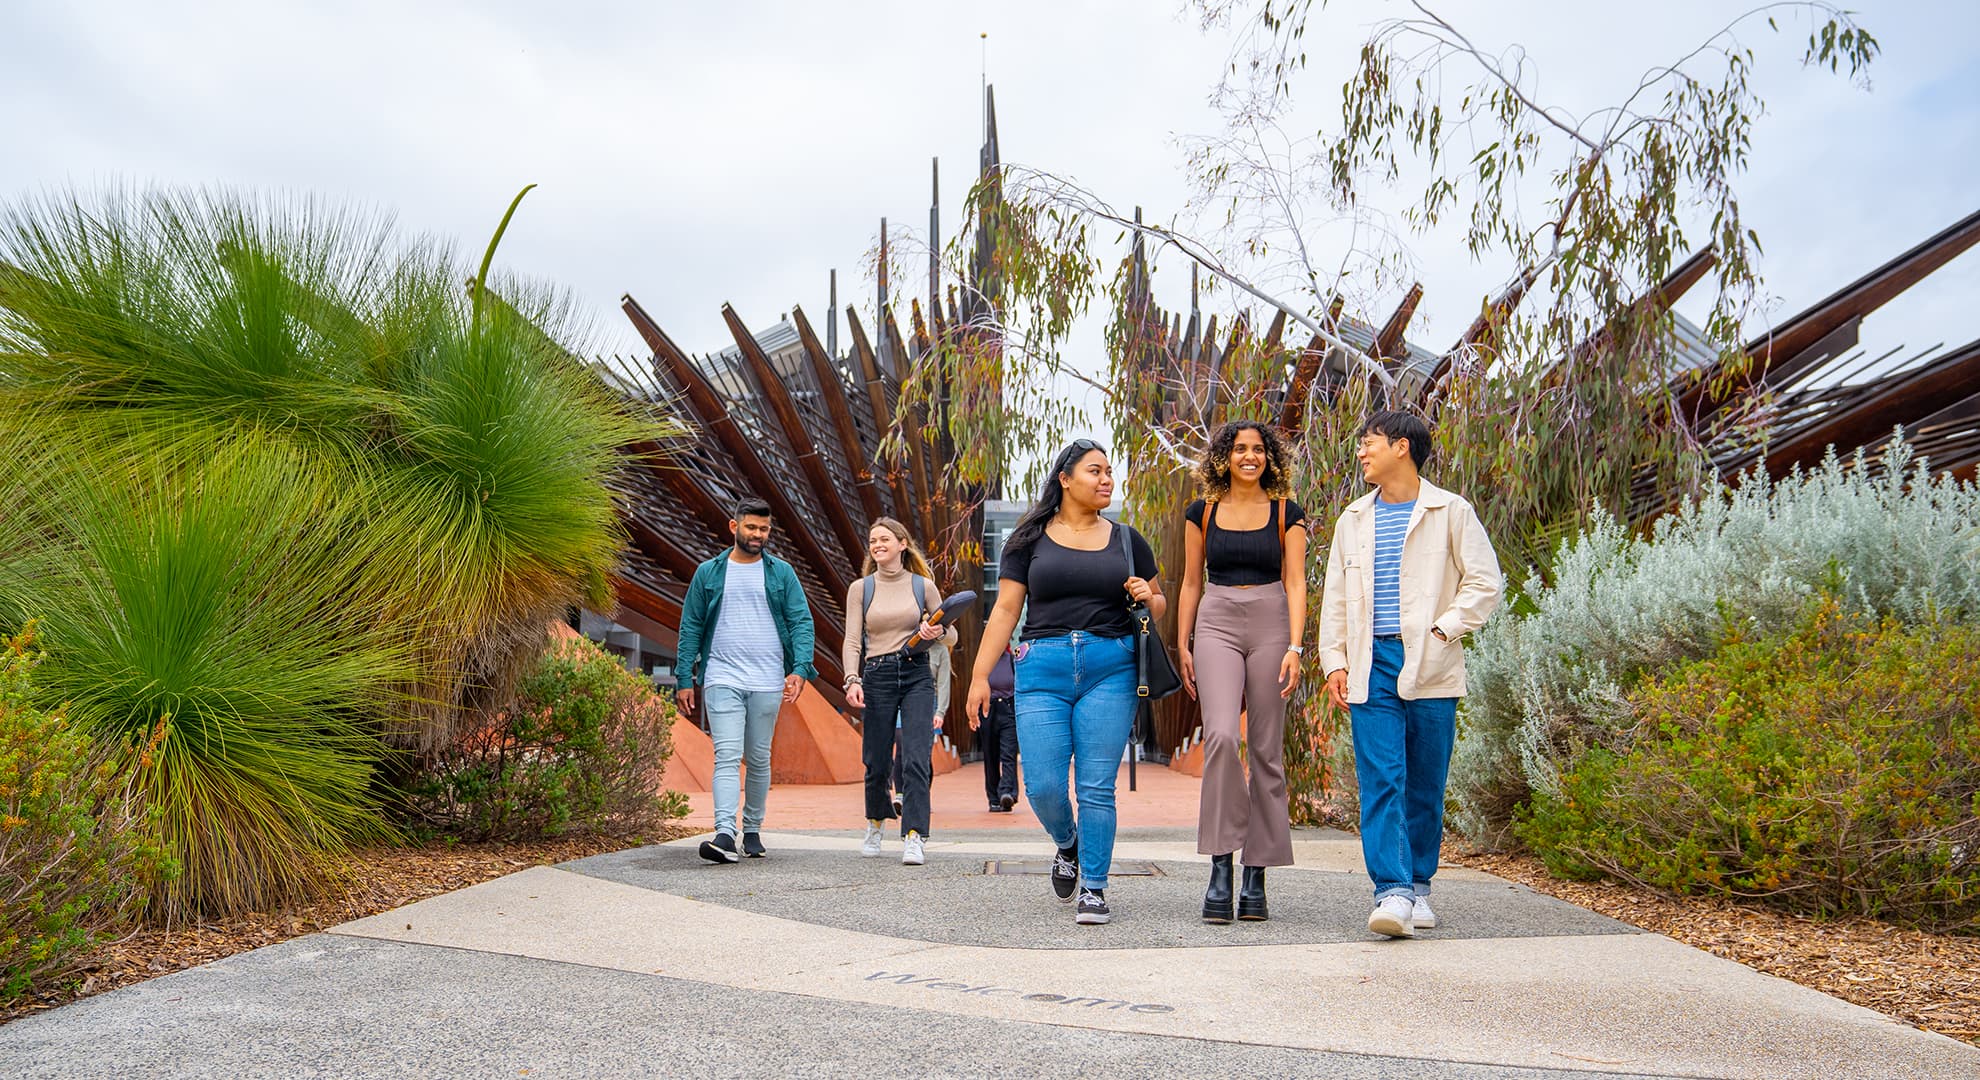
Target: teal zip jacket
<point>788,609</point>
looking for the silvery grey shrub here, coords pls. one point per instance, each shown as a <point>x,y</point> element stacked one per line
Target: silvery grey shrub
<point>1550,681</point>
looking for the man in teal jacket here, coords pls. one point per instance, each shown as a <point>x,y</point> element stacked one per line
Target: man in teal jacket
<point>746,647</point>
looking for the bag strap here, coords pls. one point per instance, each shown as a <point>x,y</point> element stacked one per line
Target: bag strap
<point>1139,612</point>
<point>867,584</point>
<point>1209,522</point>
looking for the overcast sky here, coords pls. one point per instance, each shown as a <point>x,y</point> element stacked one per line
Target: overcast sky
<point>693,154</point>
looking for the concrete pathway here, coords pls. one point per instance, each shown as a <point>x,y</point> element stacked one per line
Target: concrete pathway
<point>957,802</point>
<point>816,962</point>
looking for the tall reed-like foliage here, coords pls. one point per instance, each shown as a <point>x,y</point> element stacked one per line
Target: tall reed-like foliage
<point>216,601</point>
<point>277,481</point>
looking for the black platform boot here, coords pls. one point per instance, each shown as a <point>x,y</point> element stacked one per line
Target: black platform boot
<point>1217,898</point>
<point>1251,899</point>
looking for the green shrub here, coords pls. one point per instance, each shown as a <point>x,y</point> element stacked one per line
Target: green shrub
<point>158,326</point>
<point>74,853</point>
<point>217,601</point>
<point>1551,678</point>
<point>1831,770</point>
<point>270,472</point>
<point>582,748</point>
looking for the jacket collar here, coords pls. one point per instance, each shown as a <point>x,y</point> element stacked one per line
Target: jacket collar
<point>1427,497</point>
<point>721,562</point>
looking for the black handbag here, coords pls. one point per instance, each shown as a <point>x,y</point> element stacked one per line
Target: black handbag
<point>1154,673</point>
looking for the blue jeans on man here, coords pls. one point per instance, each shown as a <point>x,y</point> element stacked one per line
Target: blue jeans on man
<point>741,724</point>
<point>1075,711</point>
<point>1402,756</point>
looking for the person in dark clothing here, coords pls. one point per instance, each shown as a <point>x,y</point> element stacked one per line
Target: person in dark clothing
<point>996,735</point>
<point>1075,666</point>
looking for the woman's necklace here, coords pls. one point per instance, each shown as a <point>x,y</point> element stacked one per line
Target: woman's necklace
<point>1068,526</point>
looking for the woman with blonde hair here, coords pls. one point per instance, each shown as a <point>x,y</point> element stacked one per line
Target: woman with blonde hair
<point>1238,639</point>
<point>887,611</point>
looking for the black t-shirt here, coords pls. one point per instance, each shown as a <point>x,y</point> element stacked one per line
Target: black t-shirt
<point>1068,589</point>
<point>1248,556</point>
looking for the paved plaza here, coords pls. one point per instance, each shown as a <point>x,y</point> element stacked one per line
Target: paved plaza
<point>816,962</point>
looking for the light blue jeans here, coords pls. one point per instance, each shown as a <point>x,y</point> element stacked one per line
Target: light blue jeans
<point>1402,756</point>
<point>1075,712</point>
<point>740,723</point>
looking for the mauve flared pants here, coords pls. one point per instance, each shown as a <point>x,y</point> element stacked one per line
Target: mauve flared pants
<point>1240,640</point>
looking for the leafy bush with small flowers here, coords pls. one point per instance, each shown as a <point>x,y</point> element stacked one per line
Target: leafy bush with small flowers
<point>581,748</point>
<point>76,854</point>
<point>1831,770</point>
<point>1553,679</point>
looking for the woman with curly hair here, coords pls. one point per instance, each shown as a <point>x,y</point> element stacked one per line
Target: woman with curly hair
<point>1243,609</point>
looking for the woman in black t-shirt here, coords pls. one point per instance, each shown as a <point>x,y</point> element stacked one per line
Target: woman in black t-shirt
<point>1249,540</point>
<point>1075,666</point>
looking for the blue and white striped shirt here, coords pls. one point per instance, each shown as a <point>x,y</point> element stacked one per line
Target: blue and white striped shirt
<point>1391,525</point>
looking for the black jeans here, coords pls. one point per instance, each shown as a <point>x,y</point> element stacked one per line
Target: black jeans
<point>898,685</point>
<point>997,738</point>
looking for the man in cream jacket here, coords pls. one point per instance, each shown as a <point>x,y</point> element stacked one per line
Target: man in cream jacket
<point>1410,572</point>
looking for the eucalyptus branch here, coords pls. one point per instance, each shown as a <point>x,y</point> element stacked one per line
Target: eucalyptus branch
<point>1070,194</point>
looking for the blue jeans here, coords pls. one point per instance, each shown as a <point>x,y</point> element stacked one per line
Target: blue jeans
<point>740,723</point>
<point>1402,756</point>
<point>1075,710</point>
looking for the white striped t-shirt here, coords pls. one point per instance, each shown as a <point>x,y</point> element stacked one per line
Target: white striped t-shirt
<point>744,650</point>
<point>1391,525</point>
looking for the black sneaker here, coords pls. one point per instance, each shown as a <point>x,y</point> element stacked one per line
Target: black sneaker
<point>722,849</point>
<point>1065,874</point>
<point>1092,909</point>
<point>752,846</point>
<point>1006,802</point>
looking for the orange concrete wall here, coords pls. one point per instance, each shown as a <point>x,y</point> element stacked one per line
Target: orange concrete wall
<point>692,768</point>
<point>1191,760</point>
<point>814,744</point>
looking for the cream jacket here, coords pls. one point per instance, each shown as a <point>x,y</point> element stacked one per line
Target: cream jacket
<point>1450,580</point>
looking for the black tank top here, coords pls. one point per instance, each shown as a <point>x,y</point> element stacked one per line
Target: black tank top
<point>1244,556</point>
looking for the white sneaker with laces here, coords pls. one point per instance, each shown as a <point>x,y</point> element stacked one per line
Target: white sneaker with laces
<point>911,854</point>
<point>871,846</point>
<point>1420,915</point>
<point>1392,917</point>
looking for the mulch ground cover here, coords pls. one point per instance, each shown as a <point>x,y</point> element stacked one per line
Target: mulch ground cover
<point>1931,981</point>
<point>376,880</point>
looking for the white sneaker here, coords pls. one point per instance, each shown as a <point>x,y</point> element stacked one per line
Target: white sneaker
<point>911,850</point>
<point>1420,915</point>
<point>871,846</point>
<point>1392,916</point>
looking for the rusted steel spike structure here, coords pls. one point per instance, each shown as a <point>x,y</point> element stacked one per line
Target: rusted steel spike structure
<point>780,416</point>
<point>1809,386</point>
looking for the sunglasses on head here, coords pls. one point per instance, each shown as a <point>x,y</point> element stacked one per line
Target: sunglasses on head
<point>1080,448</point>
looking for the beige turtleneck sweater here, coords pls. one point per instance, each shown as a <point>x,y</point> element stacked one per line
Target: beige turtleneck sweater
<point>891,621</point>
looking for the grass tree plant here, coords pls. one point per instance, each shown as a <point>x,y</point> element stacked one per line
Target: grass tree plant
<point>283,480</point>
